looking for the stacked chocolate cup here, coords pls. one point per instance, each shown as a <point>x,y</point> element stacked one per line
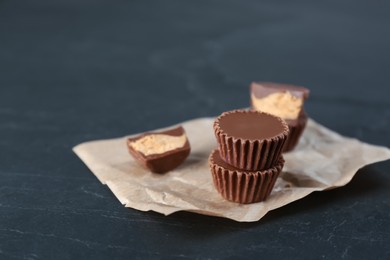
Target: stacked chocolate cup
<point>248,159</point>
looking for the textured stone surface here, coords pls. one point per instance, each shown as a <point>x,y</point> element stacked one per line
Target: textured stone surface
<point>72,71</point>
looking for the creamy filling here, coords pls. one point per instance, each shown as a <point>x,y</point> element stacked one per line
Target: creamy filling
<point>281,104</point>
<point>158,143</point>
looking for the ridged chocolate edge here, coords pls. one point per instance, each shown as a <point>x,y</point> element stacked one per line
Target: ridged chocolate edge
<point>295,134</point>
<point>250,155</point>
<point>244,187</point>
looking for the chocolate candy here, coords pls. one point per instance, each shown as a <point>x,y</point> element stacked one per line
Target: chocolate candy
<point>282,100</point>
<point>242,186</point>
<point>160,152</point>
<point>250,140</point>
<point>296,129</point>
<point>285,101</point>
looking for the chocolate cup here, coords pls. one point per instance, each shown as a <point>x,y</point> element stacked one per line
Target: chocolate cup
<point>296,129</point>
<point>164,162</point>
<point>263,89</point>
<point>243,186</point>
<point>250,154</point>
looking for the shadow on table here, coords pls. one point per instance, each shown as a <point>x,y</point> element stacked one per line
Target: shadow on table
<point>367,181</point>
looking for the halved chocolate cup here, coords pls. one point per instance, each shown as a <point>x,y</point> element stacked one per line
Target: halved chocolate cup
<point>282,100</point>
<point>160,155</point>
<point>296,129</point>
<point>250,140</point>
<point>242,186</point>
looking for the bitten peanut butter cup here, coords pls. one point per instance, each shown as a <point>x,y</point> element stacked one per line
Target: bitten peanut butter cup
<point>282,100</point>
<point>285,101</point>
<point>160,152</point>
<point>250,140</point>
<point>243,186</point>
<point>296,129</point>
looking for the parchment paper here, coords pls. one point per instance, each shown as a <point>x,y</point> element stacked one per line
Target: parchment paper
<point>322,160</point>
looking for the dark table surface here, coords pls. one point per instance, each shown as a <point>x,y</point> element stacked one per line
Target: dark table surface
<point>72,71</point>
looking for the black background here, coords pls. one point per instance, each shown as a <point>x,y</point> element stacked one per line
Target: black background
<point>72,71</point>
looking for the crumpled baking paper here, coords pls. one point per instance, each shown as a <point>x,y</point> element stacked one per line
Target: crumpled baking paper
<point>322,160</point>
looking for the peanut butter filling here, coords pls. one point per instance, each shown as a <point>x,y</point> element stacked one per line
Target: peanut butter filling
<point>281,104</point>
<point>158,143</point>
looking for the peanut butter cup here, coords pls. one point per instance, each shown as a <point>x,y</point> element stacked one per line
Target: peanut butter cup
<point>296,129</point>
<point>250,140</point>
<point>285,101</point>
<point>160,152</point>
<point>243,186</point>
